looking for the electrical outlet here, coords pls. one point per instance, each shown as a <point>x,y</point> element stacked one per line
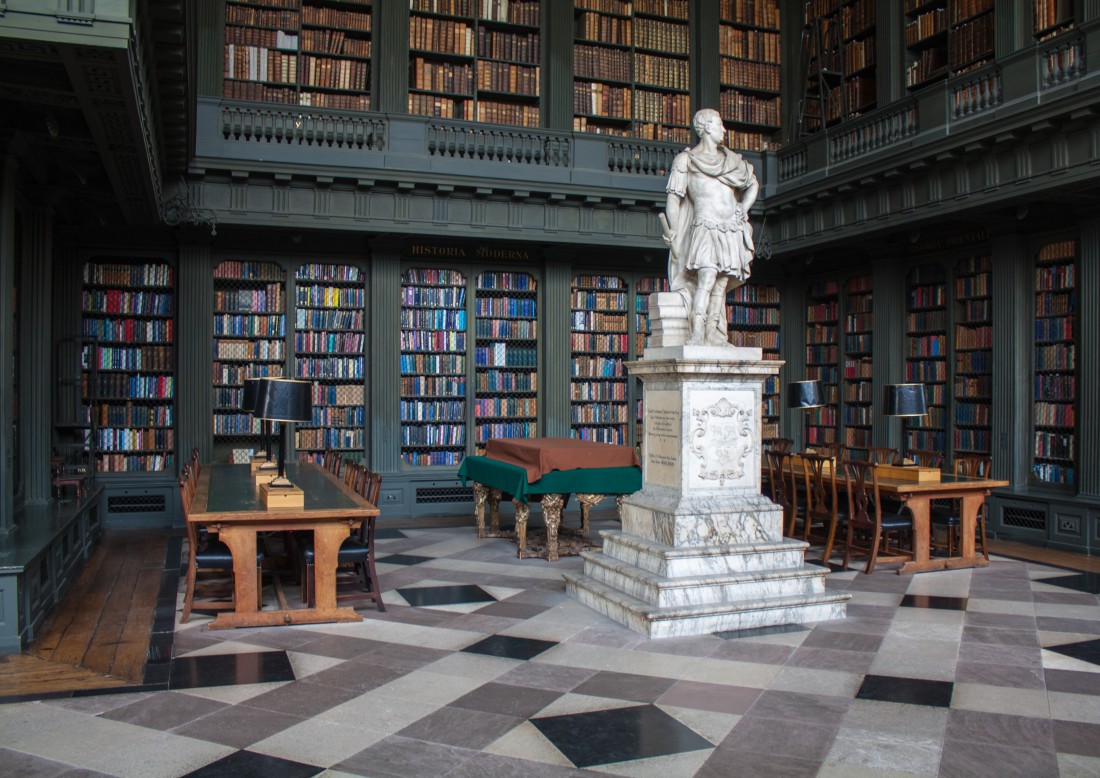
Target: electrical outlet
<point>1069,524</point>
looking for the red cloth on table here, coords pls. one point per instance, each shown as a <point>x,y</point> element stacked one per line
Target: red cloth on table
<point>539,456</point>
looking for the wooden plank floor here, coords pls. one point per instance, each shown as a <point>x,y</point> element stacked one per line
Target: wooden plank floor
<point>98,637</point>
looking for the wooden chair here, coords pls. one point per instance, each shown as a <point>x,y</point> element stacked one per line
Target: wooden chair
<point>823,509</point>
<point>834,450</point>
<point>883,455</point>
<point>779,463</point>
<point>925,458</point>
<point>949,515</point>
<point>866,521</point>
<point>207,554</point>
<point>779,444</point>
<point>356,551</point>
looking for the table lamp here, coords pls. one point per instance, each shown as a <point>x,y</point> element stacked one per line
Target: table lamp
<point>248,405</point>
<point>284,400</point>
<point>904,400</point>
<point>805,394</point>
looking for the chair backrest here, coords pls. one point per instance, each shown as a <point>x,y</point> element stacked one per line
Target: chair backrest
<point>195,461</point>
<point>779,467</point>
<point>820,489</point>
<point>186,490</point>
<point>864,501</point>
<point>883,455</point>
<point>779,444</point>
<point>374,487</point>
<point>926,458</point>
<point>834,450</point>
<point>973,465</point>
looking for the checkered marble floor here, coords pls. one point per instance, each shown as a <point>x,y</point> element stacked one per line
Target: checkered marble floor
<point>481,666</point>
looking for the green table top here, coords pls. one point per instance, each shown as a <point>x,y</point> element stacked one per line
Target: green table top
<point>513,479</point>
<point>232,488</point>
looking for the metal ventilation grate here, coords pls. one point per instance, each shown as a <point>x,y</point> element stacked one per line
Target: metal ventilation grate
<point>136,503</point>
<point>444,494</point>
<point>1024,518</point>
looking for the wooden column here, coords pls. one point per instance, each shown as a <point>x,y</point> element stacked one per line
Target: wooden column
<point>383,362</point>
<point>1088,359</point>
<point>1013,306</point>
<point>195,336</point>
<point>35,372</point>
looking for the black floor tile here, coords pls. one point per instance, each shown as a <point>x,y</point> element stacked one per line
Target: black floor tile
<point>1087,651</point>
<point>1084,582</point>
<point>758,631</point>
<point>510,647</point>
<point>427,596</point>
<point>912,691</point>
<point>230,669</point>
<point>246,764</point>
<point>932,601</point>
<point>403,559</point>
<point>618,735</point>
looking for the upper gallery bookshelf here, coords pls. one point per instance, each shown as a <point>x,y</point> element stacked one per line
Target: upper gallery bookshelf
<point>926,354</point>
<point>1052,17</point>
<point>822,359</point>
<point>631,69</point>
<point>433,367</point>
<point>838,51</point>
<point>302,52</point>
<point>973,356</point>
<point>750,74</point>
<point>752,314</point>
<point>128,331</point>
<point>506,356</point>
<point>476,60</point>
<point>858,365</point>
<point>600,344</point>
<point>249,342</point>
<point>328,350</point>
<point>946,38</point>
<point>1055,366</point>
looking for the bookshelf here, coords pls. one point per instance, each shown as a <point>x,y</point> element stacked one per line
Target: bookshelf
<point>476,60</point>
<point>1052,17</point>
<point>926,354</point>
<point>749,65</point>
<point>433,367</point>
<point>752,314</point>
<point>329,341</point>
<point>632,69</point>
<point>925,41</point>
<point>128,381</point>
<point>824,101</point>
<point>858,365</point>
<point>249,342</point>
<point>302,52</point>
<point>1055,368</point>
<point>823,359</point>
<point>858,56</point>
<point>643,288</point>
<point>506,356</point>
<point>973,378</point>
<point>971,36</point>
<point>599,344</point>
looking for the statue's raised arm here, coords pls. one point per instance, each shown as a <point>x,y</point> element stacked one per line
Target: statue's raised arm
<point>706,226</point>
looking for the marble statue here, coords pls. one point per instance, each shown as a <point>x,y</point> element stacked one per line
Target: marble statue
<point>706,226</point>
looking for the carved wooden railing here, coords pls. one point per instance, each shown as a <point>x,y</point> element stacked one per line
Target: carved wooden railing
<point>977,92</point>
<point>498,144</point>
<point>792,162</point>
<point>1061,61</point>
<point>312,127</point>
<point>878,130</point>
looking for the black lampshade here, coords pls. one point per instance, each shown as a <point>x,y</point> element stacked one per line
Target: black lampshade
<point>804,394</point>
<point>905,400</point>
<point>251,391</point>
<point>284,399</point>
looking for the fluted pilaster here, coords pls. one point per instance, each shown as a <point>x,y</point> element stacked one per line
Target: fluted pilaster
<point>1012,306</point>
<point>1088,359</point>
<point>195,328</point>
<point>384,430</point>
<point>7,281</point>
<point>390,63</point>
<point>554,332</point>
<point>35,373</point>
<point>792,339</point>
<point>888,355</point>
<point>557,71</point>
<point>705,68</point>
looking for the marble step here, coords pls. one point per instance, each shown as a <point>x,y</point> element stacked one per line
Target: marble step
<point>687,590</point>
<point>683,620</point>
<point>678,561</point>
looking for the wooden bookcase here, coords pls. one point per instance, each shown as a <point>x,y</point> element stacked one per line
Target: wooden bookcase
<point>631,69</point>
<point>926,354</point>
<point>752,316</point>
<point>973,379</point>
<point>600,344</point>
<point>129,355</point>
<point>823,359</point>
<point>1054,455</point>
<point>749,62</point>
<point>329,343</point>
<point>475,61</point>
<point>970,42</point>
<point>506,356</point>
<point>858,55</point>
<point>824,101</point>
<point>249,342</point>
<point>858,365</point>
<point>433,367</point>
<point>1052,17</point>
<point>946,37</point>
<point>304,52</point>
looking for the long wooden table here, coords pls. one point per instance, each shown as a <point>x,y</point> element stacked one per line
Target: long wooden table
<point>227,502</point>
<point>918,497</point>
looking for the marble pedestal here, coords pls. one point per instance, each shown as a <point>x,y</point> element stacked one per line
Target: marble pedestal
<point>701,550</point>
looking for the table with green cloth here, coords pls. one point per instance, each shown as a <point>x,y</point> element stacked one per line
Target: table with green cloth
<point>493,479</point>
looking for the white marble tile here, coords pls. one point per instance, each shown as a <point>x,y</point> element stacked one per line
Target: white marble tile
<point>1000,699</point>
<point>320,742</point>
<point>829,682</point>
<point>875,750</point>
<point>1074,707</point>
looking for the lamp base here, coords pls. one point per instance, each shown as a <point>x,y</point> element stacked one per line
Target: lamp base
<point>262,462</point>
<point>278,496</point>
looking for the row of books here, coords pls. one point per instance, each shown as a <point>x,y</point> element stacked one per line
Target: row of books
<point>506,77</point>
<point>337,394</point>
<point>749,109</point>
<point>517,47</point>
<point>823,312</point>
<point>1055,277</point>
<point>662,71</point>
<point>759,45</point>
<point>616,436</point>
<point>1055,329</point>
<point>492,112</point>
<point>337,416</point>
<point>261,37</point>
<point>332,437</point>
<point>506,407</point>
<point>329,342</point>
<point>505,355</point>
<point>433,386</point>
<point>432,458</point>
<point>599,343</point>
<point>761,13</point>
<point>971,337</point>
<point>1060,357</point>
<point>130,415</point>
<point>439,364</point>
<point>128,330</point>
<point>433,318</point>
<point>974,361</point>
<point>432,410</point>
<point>980,441</point>
<point>1052,13</point>
<point>250,16</point>
<point>129,387</point>
<point>234,375</point>
<point>859,55</point>
<point>859,322</point>
<point>506,381</point>
<point>259,93</point>
<point>931,63</point>
<point>335,42</point>
<point>347,102</point>
<point>328,319</point>
<point>257,64</point>
<point>1054,445</point>
<point>925,26</point>
<point>511,429</point>
<point>359,21</point>
<point>590,391</point>
<point>329,296</point>
<point>601,100</point>
<point>150,358</point>
<point>973,414</point>
<point>134,439</point>
<point>269,350</point>
<point>516,329</point>
<point>858,343</point>
<point>130,463</point>
<point>269,299</point>
<point>736,314</point>
<point>100,301</point>
<point>604,29</point>
<point>1055,387</point>
<point>858,18</point>
<point>600,413</point>
<point>970,42</point>
<point>254,325</point>
<point>335,73</point>
<point>433,340</point>
<point>661,108</point>
<point>99,274</point>
<point>657,35</point>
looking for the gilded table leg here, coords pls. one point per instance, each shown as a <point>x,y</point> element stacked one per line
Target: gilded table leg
<point>522,509</point>
<point>495,496</point>
<point>587,501</point>
<point>481,494</point>
<point>619,506</point>
<point>551,509</point>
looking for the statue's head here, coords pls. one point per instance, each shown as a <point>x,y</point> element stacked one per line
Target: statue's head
<point>705,118</point>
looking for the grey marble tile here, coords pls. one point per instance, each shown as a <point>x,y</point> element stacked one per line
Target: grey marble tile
<point>718,698</point>
<point>1000,729</point>
<point>793,706</point>
<point>728,763</point>
<point>460,727</point>
<point>401,757</point>
<point>1074,737</point>
<point>962,759</point>
<point>164,711</point>
<point>238,726</point>
<point>831,659</point>
<point>625,686</point>
<point>990,674</point>
<point>842,641</point>
<point>1072,682</point>
<point>810,741</point>
<point>539,675</point>
<point>507,700</point>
